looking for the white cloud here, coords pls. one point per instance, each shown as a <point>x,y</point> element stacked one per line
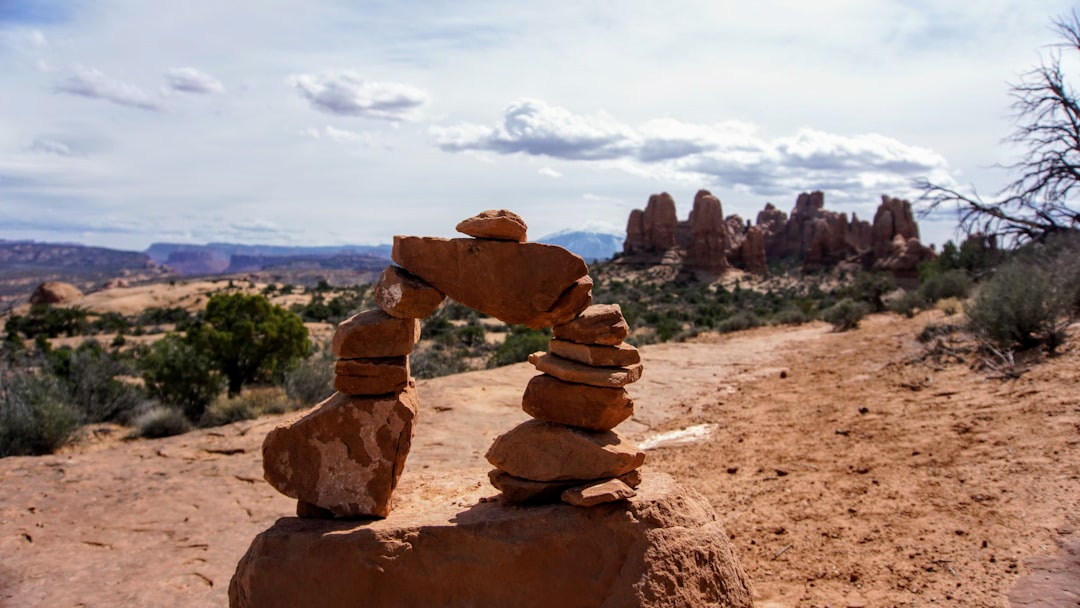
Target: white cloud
<point>190,80</point>
<point>88,82</point>
<point>549,172</point>
<point>50,146</point>
<point>347,93</point>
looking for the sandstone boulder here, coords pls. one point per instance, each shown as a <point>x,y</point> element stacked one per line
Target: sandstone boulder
<point>662,548</point>
<point>893,217</point>
<point>55,292</point>
<point>707,252</point>
<point>374,334</point>
<point>597,324</point>
<point>345,455</point>
<point>660,222</point>
<point>528,492</point>
<point>501,224</point>
<point>752,251</point>
<point>572,371</point>
<point>517,283</point>
<point>576,298</point>
<point>903,257</point>
<point>405,296</point>
<point>597,493</point>
<point>371,376</point>
<point>595,354</point>
<point>635,232</point>
<point>589,407</point>
<point>542,451</point>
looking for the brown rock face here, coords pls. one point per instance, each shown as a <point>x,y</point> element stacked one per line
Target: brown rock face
<point>542,451</point>
<point>662,548</point>
<point>635,232</point>
<point>345,455</point>
<point>527,492</point>
<point>707,253</point>
<point>654,229</point>
<point>405,296</point>
<point>597,324</point>
<point>55,292</point>
<point>520,283</point>
<point>595,354</point>
<point>598,493</point>
<point>893,217</point>
<point>576,298</point>
<point>501,225</point>
<point>371,376</point>
<point>903,257</point>
<point>752,251</point>
<point>589,407</point>
<point>375,334</point>
<point>572,371</point>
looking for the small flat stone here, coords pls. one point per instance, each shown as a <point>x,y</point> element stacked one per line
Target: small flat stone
<point>595,354</point>
<point>597,324</point>
<point>528,492</point>
<point>572,371</point>
<point>597,493</point>
<point>371,376</point>
<point>404,295</point>
<point>581,405</point>
<point>543,451</point>
<point>498,224</point>
<point>375,334</point>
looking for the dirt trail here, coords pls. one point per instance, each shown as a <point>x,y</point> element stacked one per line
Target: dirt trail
<point>857,478</point>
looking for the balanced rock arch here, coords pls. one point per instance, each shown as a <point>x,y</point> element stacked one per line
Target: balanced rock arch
<point>345,456</point>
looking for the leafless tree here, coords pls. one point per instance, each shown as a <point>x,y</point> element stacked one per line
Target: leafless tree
<point>1038,203</point>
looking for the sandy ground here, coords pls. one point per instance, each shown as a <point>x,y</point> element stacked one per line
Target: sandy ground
<point>847,471</point>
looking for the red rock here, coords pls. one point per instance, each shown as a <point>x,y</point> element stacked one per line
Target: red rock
<point>597,324</point>
<point>707,253</point>
<point>660,222</point>
<point>893,217</point>
<point>499,224</point>
<point>572,371</point>
<point>753,251</point>
<point>635,232</point>
<point>345,455</point>
<point>517,283</point>
<point>542,451</point>
<point>903,257</point>
<point>374,334</point>
<point>371,376</point>
<point>663,548</point>
<point>597,493</point>
<point>527,492</point>
<point>589,407</point>
<point>405,296</point>
<point>55,292</point>
<point>576,298</point>
<point>595,354</point>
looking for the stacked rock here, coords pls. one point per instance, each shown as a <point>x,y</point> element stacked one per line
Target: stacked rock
<point>345,456</point>
<point>569,451</point>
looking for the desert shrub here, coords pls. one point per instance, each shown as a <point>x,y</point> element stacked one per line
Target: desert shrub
<point>871,289</point>
<point>950,284</point>
<point>160,421</point>
<point>936,330</point>
<point>791,316</point>
<point>94,377</point>
<point>312,379</point>
<point>1021,306</point>
<point>246,406</point>
<point>179,373</point>
<point>949,306</point>
<point>666,327</point>
<point>436,361</point>
<point>35,416</point>
<point>520,342</point>
<point>845,314</point>
<point>907,303</point>
<point>738,322</point>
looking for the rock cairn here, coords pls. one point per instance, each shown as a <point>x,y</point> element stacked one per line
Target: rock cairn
<point>344,457</point>
<point>569,451</point>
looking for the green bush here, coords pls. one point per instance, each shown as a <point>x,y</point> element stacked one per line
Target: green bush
<point>845,314</point>
<point>1022,306</point>
<point>738,322</point>
<point>791,316</point>
<point>180,374</point>
<point>160,421</point>
<point>907,304</point>
<point>436,361</point>
<point>35,416</point>
<point>949,284</point>
<point>311,380</point>
<point>519,344</point>
<point>94,377</point>
<point>246,406</point>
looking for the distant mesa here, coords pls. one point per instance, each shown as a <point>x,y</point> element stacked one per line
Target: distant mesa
<point>707,245</point>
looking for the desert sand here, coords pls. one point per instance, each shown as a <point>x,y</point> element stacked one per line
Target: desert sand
<point>848,468</point>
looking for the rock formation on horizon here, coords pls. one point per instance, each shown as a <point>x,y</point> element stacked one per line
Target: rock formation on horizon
<point>707,244</point>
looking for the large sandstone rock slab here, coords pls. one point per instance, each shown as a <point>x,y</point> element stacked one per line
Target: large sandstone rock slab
<point>543,451</point>
<point>572,371</point>
<point>581,405</point>
<point>375,334</point>
<point>405,296</point>
<point>662,548</point>
<point>598,324</point>
<point>345,455</point>
<point>596,355</point>
<point>518,283</point>
<point>371,376</point>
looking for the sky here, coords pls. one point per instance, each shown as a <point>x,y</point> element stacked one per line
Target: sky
<point>326,122</point>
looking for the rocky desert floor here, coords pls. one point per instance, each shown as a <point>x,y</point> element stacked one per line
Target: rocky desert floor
<point>849,469</point>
